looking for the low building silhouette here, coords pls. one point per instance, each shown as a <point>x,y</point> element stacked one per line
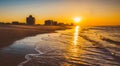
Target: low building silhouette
<point>72,24</point>
<point>18,23</point>
<point>61,24</point>
<point>15,22</point>
<point>55,23</point>
<point>48,22</point>
<point>30,20</point>
<point>2,23</point>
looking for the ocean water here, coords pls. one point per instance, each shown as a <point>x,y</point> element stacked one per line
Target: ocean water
<point>91,46</point>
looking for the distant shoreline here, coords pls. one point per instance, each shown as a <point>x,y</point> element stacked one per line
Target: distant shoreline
<point>11,33</point>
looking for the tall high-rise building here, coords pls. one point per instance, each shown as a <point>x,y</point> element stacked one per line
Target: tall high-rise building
<point>30,20</point>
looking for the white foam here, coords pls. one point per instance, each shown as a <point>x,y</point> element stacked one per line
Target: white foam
<point>54,43</point>
<point>39,39</point>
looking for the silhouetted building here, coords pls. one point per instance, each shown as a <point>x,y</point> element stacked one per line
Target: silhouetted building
<point>61,24</point>
<point>49,22</point>
<point>54,23</point>
<point>72,24</point>
<point>22,24</point>
<point>7,23</point>
<point>15,22</point>
<point>18,23</point>
<point>2,23</point>
<point>30,20</point>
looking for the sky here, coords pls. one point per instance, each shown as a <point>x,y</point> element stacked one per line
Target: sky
<point>92,12</point>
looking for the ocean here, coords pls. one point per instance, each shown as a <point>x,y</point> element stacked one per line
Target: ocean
<point>80,46</point>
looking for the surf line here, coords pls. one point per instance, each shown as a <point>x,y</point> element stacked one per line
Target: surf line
<point>28,57</point>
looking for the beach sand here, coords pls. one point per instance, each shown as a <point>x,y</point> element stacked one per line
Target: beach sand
<point>11,33</point>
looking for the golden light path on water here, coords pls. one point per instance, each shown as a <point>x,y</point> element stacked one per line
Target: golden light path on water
<point>76,35</point>
<point>74,48</point>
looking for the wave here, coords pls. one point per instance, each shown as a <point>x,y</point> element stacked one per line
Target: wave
<point>65,48</point>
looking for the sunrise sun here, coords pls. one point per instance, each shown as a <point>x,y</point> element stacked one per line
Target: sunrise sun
<point>77,19</point>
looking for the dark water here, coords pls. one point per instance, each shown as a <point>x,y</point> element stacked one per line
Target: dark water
<point>93,46</point>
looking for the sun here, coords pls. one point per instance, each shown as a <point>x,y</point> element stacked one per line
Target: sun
<point>77,19</point>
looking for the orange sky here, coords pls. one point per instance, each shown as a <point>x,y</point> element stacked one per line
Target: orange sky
<point>93,12</point>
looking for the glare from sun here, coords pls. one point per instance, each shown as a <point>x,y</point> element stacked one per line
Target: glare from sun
<point>77,19</point>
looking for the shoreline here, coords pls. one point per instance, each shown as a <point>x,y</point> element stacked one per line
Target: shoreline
<point>11,33</point>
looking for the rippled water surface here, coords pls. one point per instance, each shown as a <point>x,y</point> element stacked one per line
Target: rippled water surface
<point>93,46</point>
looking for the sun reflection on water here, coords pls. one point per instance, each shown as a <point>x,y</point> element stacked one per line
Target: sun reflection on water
<point>76,35</point>
<point>74,49</point>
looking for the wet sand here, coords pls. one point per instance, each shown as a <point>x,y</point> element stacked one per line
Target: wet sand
<point>11,33</point>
